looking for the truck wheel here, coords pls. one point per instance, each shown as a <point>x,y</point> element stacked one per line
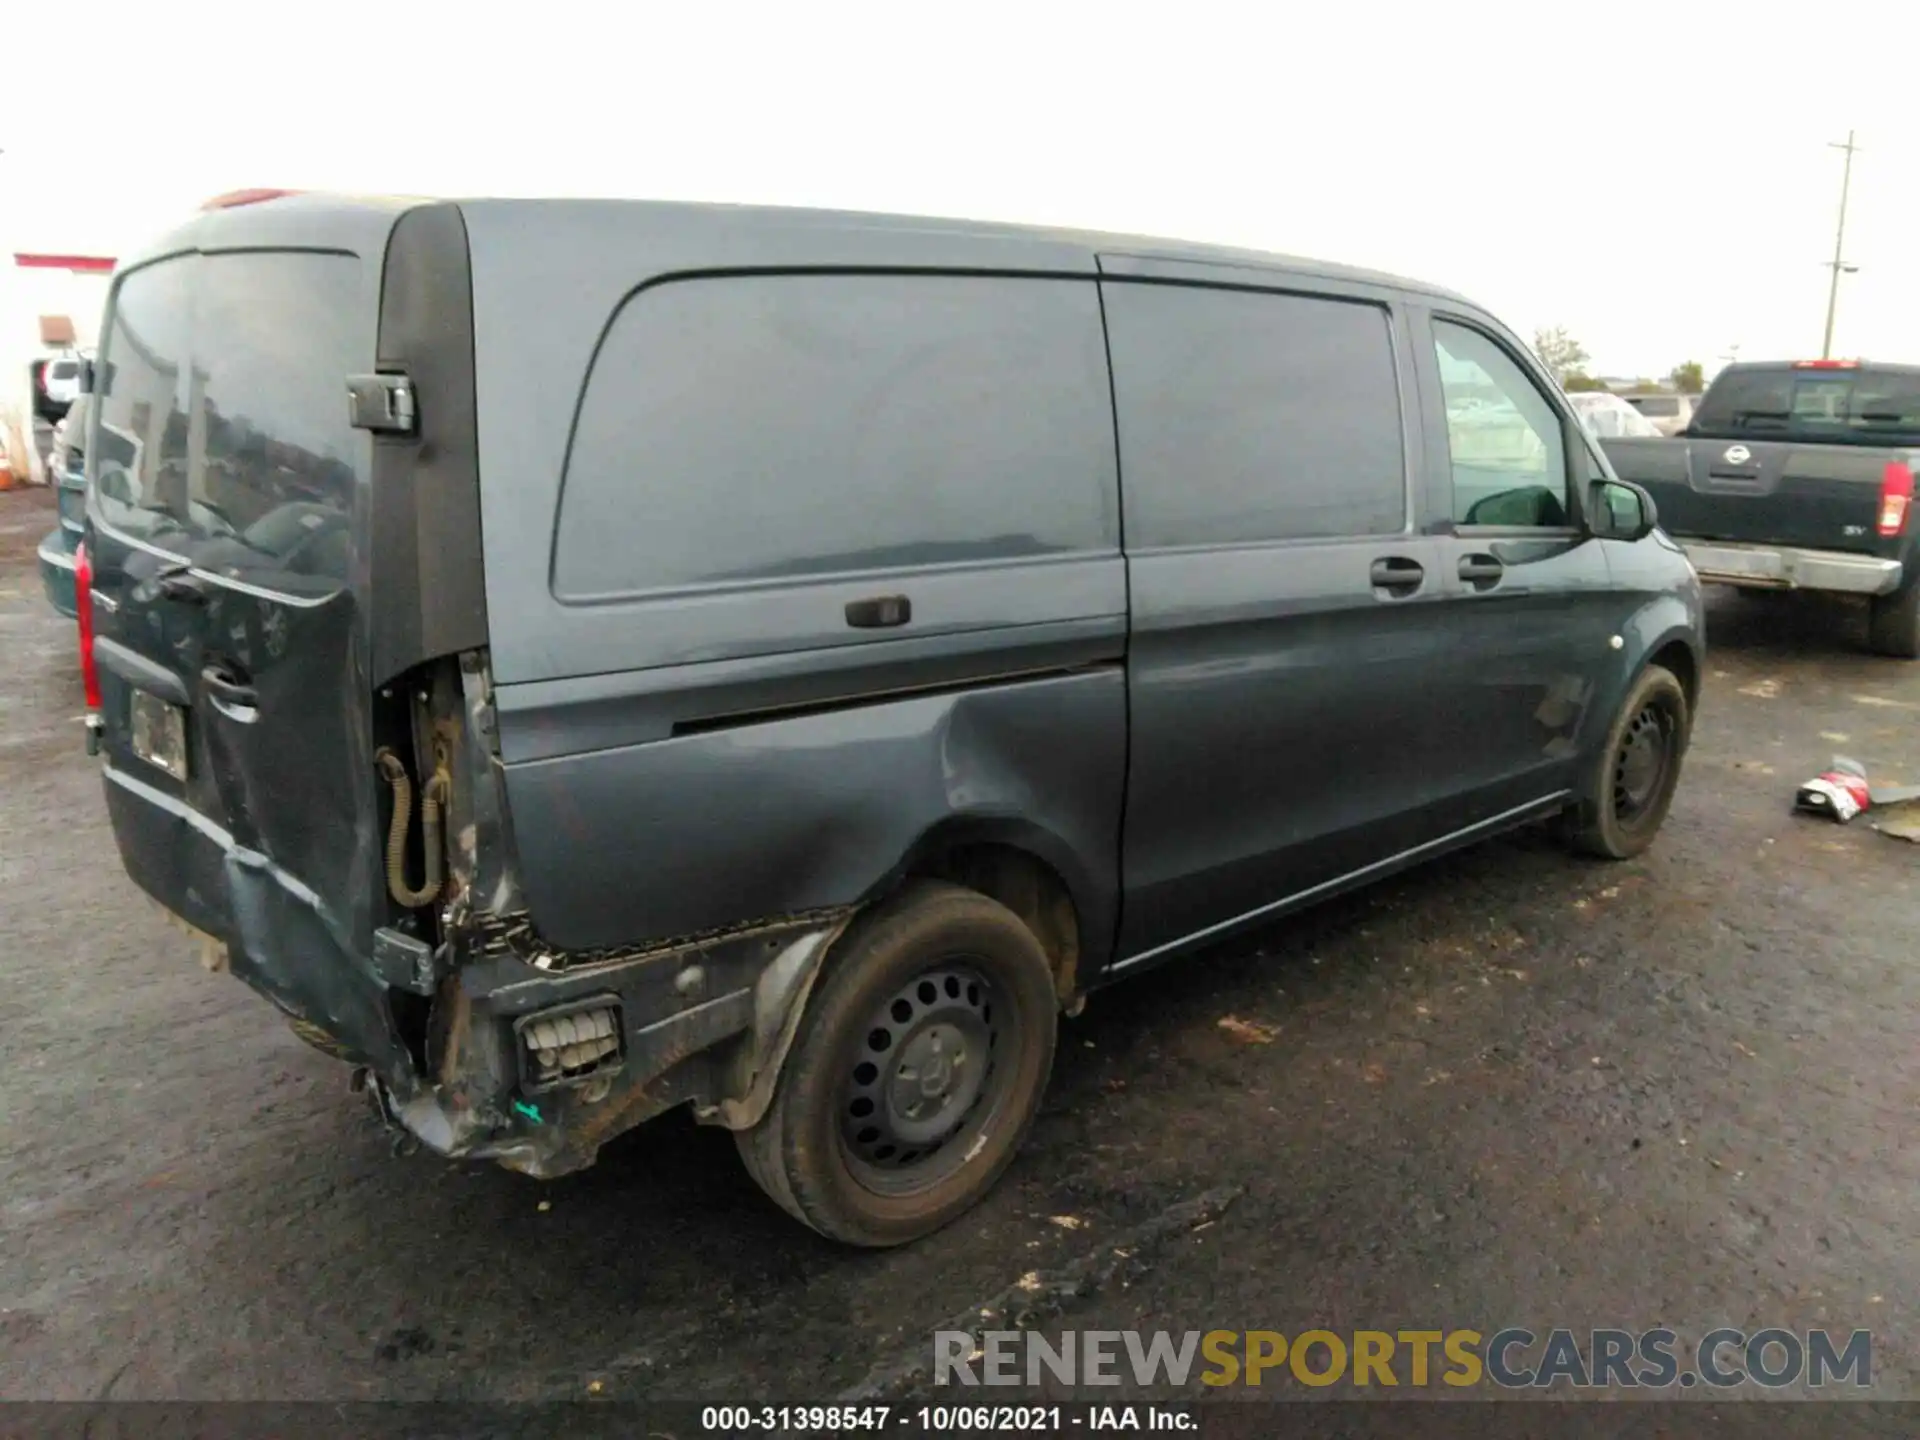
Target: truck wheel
<point>916,1072</point>
<point>1894,624</point>
<point>1630,787</point>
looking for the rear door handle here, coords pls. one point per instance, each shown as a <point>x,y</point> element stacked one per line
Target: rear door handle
<point>178,582</point>
<point>227,691</point>
<point>1395,577</point>
<point>879,613</point>
<point>1481,571</point>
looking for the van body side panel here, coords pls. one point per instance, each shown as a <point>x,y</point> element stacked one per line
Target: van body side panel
<point>678,836</point>
<point>727,443</point>
<point>540,314</point>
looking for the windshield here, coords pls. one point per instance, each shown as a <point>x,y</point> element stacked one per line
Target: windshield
<point>1861,406</point>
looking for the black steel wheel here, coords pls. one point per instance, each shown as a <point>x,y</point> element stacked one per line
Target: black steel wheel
<point>916,1072</point>
<point>925,1080</point>
<point>1636,770</point>
<point>1640,764</point>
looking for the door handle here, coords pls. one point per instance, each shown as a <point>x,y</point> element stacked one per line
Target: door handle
<point>881,612</point>
<point>1481,571</point>
<point>1395,577</point>
<point>227,691</point>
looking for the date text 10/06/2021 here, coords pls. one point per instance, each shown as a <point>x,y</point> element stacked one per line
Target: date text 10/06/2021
<point>937,1419</point>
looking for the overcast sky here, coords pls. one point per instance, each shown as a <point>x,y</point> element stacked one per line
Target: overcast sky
<point>1656,179</point>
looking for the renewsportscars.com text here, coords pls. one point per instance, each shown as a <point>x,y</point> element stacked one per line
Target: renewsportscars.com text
<point>1512,1358</point>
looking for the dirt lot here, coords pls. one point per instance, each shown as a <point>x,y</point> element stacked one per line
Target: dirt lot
<point>1513,1088</point>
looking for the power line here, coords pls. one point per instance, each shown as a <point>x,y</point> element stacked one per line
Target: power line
<point>1838,266</point>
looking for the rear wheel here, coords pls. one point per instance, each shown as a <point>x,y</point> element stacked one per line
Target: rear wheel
<point>916,1072</point>
<point>1630,788</point>
<point>1894,624</point>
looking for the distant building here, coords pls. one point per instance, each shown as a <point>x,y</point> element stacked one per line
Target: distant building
<point>49,302</point>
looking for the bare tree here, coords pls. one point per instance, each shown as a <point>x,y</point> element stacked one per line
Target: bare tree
<point>1559,352</point>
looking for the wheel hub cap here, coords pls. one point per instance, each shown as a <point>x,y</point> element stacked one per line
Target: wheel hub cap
<point>927,1060</point>
<point>1641,764</point>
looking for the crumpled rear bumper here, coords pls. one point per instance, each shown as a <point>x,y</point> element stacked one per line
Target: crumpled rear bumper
<point>446,1053</point>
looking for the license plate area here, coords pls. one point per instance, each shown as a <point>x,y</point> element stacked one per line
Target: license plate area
<point>158,733</point>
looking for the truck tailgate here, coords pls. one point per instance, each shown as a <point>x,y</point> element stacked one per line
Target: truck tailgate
<point>1815,497</point>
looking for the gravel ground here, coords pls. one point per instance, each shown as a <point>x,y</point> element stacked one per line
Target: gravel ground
<point>1512,1088</point>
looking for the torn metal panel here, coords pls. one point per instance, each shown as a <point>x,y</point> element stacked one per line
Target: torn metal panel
<point>705,1021</point>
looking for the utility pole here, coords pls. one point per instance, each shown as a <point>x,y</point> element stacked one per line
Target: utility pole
<point>1839,239</point>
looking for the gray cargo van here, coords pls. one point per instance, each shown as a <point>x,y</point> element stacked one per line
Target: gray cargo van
<point>579,659</point>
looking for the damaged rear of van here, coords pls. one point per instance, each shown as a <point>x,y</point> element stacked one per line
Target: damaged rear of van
<point>337,674</point>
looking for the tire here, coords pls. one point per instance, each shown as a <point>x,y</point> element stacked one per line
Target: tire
<point>879,1132</point>
<point>1631,783</point>
<point>1893,626</point>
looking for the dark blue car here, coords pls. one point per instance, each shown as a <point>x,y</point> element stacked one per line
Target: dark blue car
<point>67,466</point>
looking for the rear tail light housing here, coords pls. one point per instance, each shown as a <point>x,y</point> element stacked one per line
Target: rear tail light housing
<point>1896,497</point>
<point>580,1043</point>
<point>1825,364</point>
<point>83,607</point>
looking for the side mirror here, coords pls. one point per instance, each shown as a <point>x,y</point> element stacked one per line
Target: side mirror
<point>1620,510</point>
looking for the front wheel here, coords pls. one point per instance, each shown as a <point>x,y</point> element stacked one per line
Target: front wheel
<point>1631,785</point>
<point>916,1072</point>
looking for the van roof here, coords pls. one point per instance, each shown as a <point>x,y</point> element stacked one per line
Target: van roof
<point>287,217</point>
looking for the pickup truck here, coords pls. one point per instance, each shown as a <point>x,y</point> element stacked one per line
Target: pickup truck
<point>1798,475</point>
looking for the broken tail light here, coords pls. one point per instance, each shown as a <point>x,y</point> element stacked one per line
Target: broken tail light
<point>83,608</point>
<point>1896,497</point>
<point>570,1044</point>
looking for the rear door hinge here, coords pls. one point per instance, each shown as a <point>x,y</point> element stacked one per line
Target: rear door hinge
<point>382,403</point>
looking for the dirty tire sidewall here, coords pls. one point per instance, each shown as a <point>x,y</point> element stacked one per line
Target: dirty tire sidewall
<point>925,924</point>
<point>1893,623</point>
<point>1602,832</point>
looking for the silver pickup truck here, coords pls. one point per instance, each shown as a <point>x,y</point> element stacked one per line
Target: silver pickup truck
<point>1798,475</point>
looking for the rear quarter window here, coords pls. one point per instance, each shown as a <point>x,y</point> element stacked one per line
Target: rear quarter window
<point>764,427</point>
<point>1250,415</point>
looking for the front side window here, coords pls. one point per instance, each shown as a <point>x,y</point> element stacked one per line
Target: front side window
<point>1508,451</point>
